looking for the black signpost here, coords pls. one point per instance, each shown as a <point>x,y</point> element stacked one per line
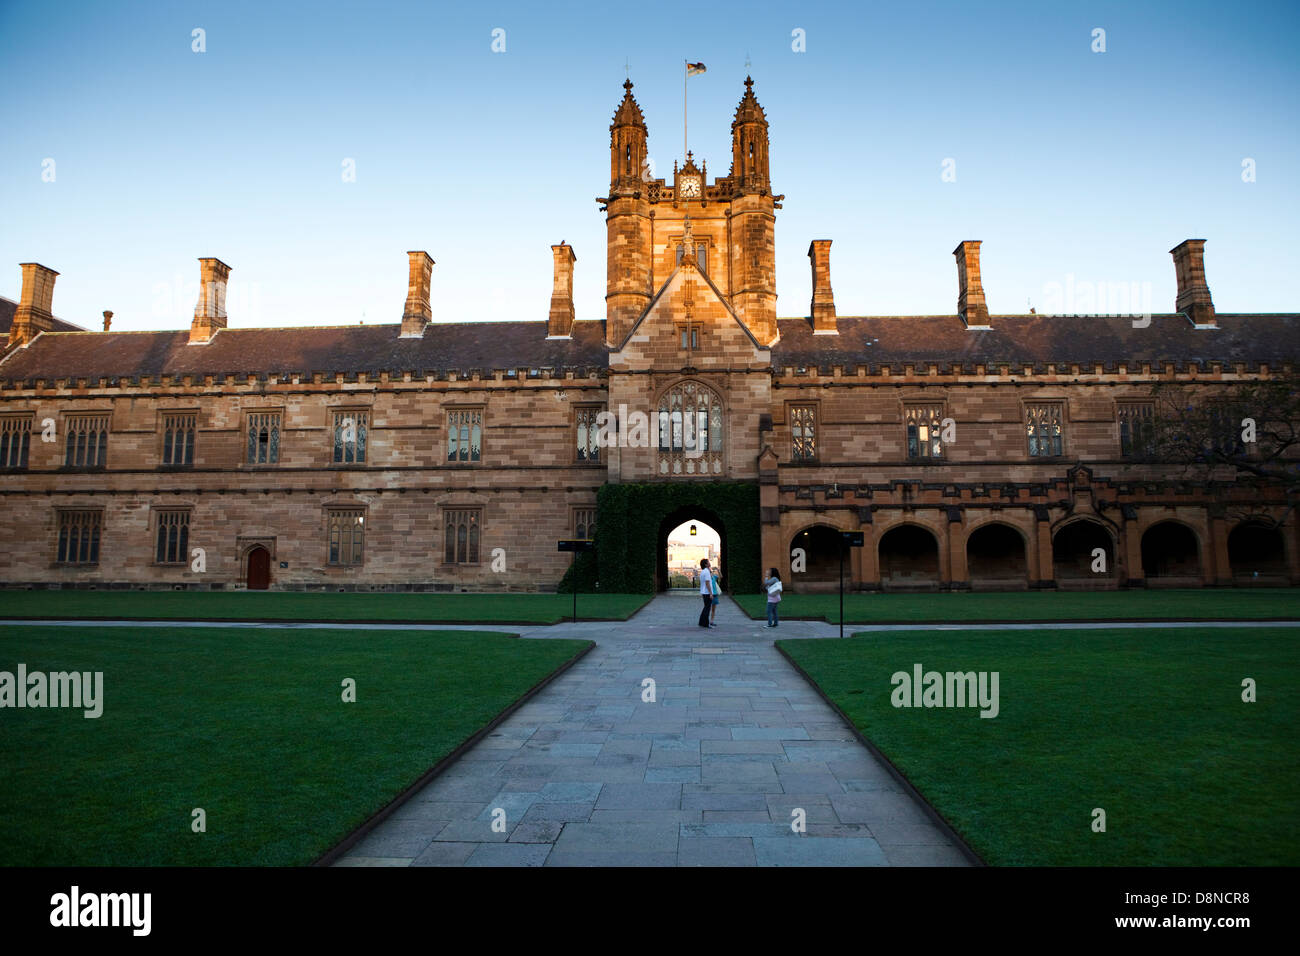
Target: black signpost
<point>575,545</point>
<point>854,540</point>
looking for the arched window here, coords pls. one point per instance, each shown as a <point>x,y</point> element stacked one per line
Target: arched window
<point>690,430</point>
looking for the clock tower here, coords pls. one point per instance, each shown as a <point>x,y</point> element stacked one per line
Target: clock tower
<point>731,228</point>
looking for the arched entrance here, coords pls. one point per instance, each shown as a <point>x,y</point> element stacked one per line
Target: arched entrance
<point>1257,554</point>
<point>707,524</point>
<point>909,558</point>
<point>995,557</point>
<point>820,560</point>
<point>259,569</point>
<point>1171,556</point>
<point>1073,555</point>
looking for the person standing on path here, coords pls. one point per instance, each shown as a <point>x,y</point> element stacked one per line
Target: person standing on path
<point>717,596</point>
<point>773,587</point>
<point>706,591</point>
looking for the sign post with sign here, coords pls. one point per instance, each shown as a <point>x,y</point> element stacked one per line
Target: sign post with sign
<point>850,539</point>
<point>575,545</point>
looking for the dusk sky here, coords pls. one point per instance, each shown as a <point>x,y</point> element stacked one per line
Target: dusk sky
<point>1068,162</point>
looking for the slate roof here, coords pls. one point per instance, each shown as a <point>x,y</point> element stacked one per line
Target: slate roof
<point>7,309</point>
<point>1037,339</point>
<point>873,341</point>
<point>358,348</point>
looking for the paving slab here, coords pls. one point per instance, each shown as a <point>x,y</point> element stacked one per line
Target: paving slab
<point>590,775</point>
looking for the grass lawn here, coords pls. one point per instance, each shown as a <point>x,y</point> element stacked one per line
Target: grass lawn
<point>1147,725</point>
<point>248,725</point>
<point>1191,604</point>
<point>319,606</point>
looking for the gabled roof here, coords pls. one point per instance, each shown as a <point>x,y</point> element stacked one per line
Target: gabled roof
<point>458,346</point>
<point>1030,339</point>
<point>664,288</point>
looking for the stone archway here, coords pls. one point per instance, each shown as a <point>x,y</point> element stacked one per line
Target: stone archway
<point>1171,555</point>
<point>680,516</point>
<point>909,558</point>
<point>1257,554</point>
<point>996,557</point>
<point>821,545</point>
<point>1074,547</point>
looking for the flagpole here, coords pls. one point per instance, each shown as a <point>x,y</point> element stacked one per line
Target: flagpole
<point>686,72</point>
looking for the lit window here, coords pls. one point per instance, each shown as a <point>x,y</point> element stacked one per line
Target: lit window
<point>924,423</point>
<point>1043,426</point>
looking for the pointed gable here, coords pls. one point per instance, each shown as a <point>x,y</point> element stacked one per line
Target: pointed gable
<point>688,302</point>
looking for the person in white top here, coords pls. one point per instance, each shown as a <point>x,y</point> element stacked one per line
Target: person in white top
<point>706,591</point>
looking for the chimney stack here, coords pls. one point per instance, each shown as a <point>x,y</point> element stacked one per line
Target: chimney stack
<point>210,312</point>
<point>418,313</point>
<point>823,299</point>
<point>972,308</point>
<point>1193,292</point>
<point>108,319</point>
<point>33,316</point>
<point>560,323</point>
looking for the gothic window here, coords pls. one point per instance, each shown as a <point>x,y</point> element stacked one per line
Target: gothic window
<point>587,433</point>
<point>584,522</point>
<point>461,535</point>
<point>87,441</point>
<point>173,537</point>
<point>79,537</point>
<point>347,529</point>
<point>689,336</point>
<point>689,425</point>
<point>803,432</point>
<point>465,435</point>
<point>350,437</point>
<point>1043,427</point>
<point>178,439</point>
<point>923,430</point>
<point>15,440</point>
<point>1136,426</point>
<point>263,438</point>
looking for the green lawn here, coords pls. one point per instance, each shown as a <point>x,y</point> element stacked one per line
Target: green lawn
<point>247,724</point>
<point>1147,725</point>
<point>319,606</point>
<point>1191,604</point>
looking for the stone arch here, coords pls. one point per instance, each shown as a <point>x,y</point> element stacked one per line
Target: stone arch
<point>705,516</point>
<point>1171,554</point>
<point>1257,553</point>
<point>909,557</point>
<point>1073,545</point>
<point>997,555</point>
<point>821,542</point>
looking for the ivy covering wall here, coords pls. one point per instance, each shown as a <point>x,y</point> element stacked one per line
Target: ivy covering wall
<point>628,517</point>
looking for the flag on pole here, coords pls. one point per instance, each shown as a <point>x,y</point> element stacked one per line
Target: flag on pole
<point>694,69</point>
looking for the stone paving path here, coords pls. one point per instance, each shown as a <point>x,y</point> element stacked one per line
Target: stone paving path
<point>707,775</point>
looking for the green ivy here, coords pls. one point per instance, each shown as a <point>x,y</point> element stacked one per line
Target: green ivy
<point>627,534</point>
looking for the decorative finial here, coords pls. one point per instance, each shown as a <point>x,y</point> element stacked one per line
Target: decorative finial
<point>748,82</point>
<point>627,84</point>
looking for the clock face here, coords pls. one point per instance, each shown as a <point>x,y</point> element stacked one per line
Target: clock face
<point>689,188</point>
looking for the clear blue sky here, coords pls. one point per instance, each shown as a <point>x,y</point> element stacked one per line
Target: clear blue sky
<point>1067,161</point>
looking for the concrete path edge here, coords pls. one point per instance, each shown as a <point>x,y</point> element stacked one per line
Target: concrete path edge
<point>361,832</point>
<point>935,816</point>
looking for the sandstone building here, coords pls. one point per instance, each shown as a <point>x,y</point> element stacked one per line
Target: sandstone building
<point>972,450</point>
